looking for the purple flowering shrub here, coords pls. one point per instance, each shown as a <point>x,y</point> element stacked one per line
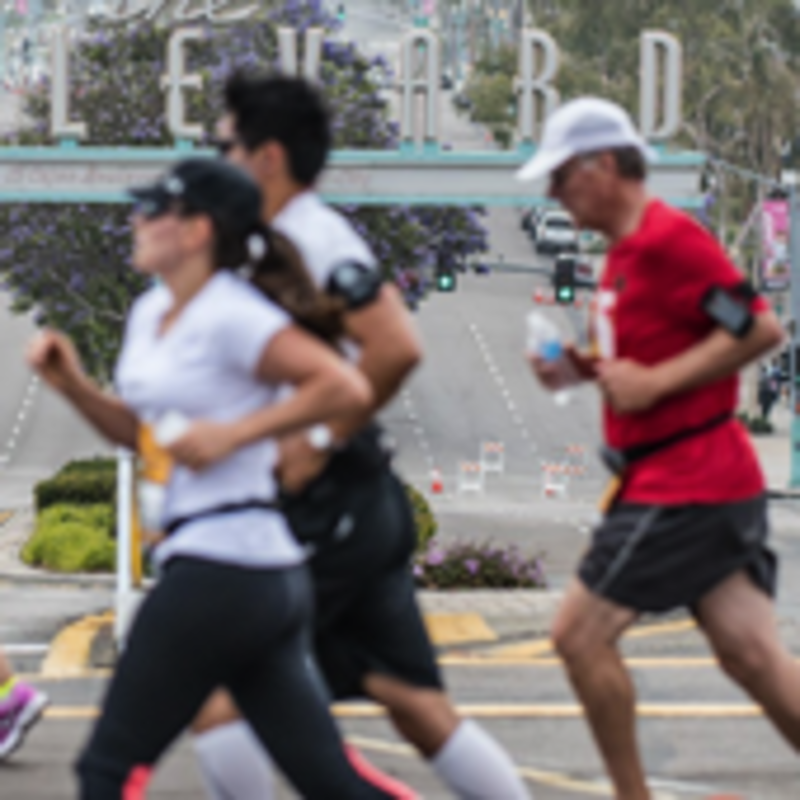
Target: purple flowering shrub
<point>71,264</point>
<point>472,565</point>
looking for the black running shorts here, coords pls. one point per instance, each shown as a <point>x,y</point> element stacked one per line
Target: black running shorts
<point>368,620</point>
<point>655,558</point>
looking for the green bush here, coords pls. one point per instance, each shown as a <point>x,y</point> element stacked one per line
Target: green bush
<point>73,538</point>
<point>99,464</point>
<point>80,483</point>
<point>423,517</point>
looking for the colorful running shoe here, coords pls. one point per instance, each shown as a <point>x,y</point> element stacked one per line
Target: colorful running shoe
<point>18,713</point>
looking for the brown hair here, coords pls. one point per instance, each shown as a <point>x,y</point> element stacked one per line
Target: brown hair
<point>282,276</point>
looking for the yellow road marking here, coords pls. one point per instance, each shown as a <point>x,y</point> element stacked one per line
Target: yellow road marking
<point>72,712</point>
<point>554,779</point>
<point>445,629</point>
<point>508,711</point>
<point>645,662</point>
<point>544,646</point>
<point>70,651</point>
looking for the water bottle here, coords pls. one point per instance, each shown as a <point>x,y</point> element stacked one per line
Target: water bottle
<point>544,341</point>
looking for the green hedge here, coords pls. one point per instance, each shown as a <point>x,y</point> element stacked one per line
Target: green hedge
<point>86,482</point>
<point>76,525</point>
<point>423,517</point>
<point>73,538</point>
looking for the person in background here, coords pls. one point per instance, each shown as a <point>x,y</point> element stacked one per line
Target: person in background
<point>686,522</point>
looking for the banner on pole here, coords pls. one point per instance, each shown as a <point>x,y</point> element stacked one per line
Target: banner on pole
<point>775,241</point>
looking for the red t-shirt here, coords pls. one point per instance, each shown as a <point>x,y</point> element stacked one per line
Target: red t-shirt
<point>649,309</point>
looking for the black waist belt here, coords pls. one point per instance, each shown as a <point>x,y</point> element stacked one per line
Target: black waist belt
<point>619,460</point>
<point>226,508</point>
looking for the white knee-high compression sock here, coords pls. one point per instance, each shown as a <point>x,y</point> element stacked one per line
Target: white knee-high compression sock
<point>234,764</point>
<point>475,767</point>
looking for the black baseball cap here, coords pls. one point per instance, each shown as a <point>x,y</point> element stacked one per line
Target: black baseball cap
<point>207,186</point>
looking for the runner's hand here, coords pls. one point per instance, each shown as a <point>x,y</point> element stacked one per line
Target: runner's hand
<point>299,463</point>
<point>53,356</point>
<point>203,445</point>
<point>629,387</point>
<point>550,373</point>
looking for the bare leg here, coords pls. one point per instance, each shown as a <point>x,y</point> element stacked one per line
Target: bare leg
<point>469,761</point>
<point>424,717</point>
<point>739,621</point>
<point>6,673</point>
<point>585,634</point>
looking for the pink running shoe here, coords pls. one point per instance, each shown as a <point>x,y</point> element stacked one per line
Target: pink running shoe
<point>18,713</point>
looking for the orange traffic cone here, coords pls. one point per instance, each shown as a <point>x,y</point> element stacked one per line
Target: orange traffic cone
<point>538,296</point>
<point>437,484</point>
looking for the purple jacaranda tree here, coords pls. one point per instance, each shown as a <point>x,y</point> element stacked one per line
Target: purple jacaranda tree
<point>70,264</point>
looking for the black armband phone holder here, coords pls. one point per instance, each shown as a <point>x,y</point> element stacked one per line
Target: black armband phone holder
<point>355,283</point>
<point>730,308</point>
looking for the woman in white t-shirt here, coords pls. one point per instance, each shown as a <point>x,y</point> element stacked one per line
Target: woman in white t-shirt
<point>204,353</point>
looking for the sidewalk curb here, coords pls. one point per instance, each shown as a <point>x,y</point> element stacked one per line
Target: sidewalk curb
<point>88,644</point>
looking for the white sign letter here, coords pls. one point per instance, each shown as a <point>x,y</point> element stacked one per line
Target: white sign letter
<point>537,97</point>
<point>287,49</point>
<point>658,94</point>
<point>60,126</point>
<point>176,80</point>
<point>423,41</point>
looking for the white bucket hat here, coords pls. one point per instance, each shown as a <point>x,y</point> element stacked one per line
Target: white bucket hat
<point>585,125</point>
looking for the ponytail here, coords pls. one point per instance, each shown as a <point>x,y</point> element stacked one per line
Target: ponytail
<point>278,271</point>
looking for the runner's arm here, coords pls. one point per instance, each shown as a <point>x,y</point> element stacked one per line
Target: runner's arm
<point>105,413</point>
<point>390,350</point>
<point>53,356</point>
<point>325,385</point>
<point>630,386</point>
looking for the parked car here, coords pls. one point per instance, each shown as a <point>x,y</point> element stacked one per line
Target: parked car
<point>556,233</point>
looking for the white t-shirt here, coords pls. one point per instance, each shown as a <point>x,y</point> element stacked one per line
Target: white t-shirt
<point>204,368</point>
<point>325,240</point>
<point>323,236</point>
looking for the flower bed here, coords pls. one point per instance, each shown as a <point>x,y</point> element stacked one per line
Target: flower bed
<point>471,565</point>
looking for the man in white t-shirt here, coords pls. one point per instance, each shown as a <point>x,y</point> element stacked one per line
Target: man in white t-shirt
<point>370,639</point>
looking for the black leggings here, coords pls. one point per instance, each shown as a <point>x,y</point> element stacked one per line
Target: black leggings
<point>207,625</point>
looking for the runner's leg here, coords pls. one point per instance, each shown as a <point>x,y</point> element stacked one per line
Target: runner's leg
<point>739,620</point>
<point>232,760</point>
<point>585,634</point>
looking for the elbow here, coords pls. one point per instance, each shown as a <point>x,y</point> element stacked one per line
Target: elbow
<point>409,358</point>
<point>351,393</point>
<point>772,333</point>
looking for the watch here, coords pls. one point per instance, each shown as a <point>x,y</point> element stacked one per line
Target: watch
<point>320,437</point>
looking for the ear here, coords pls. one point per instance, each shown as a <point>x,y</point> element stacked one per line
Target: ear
<point>270,159</point>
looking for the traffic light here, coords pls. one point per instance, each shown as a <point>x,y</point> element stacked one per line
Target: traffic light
<point>341,12</point>
<point>445,279</point>
<point>564,280</point>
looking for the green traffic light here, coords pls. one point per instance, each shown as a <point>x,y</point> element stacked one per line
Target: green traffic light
<point>446,283</point>
<point>566,294</point>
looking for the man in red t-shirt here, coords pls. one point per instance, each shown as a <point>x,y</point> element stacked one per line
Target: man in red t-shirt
<point>687,525</point>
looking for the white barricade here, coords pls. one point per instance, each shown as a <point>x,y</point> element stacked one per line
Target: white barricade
<point>493,457</point>
<point>555,480</point>
<point>470,477</point>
